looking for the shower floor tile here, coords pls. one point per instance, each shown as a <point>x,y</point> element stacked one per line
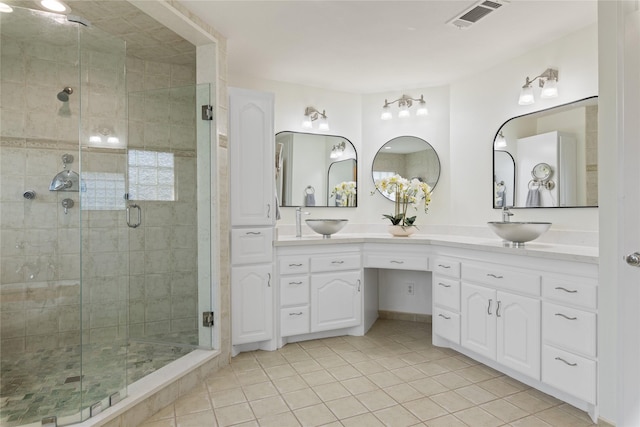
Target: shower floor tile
<point>48,383</point>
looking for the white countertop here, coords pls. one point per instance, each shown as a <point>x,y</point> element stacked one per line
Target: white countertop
<point>587,254</point>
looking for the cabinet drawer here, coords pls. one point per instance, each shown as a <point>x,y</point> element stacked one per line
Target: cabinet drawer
<point>446,267</point>
<point>335,262</point>
<point>294,321</point>
<point>569,328</point>
<point>570,373</point>
<point>498,276</point>
<point>446,292</point>
<point>294,290</point>
<point>570,291</point>
<point>398,261</point>
<point>294,265</point>
<point>446,324</point>
<point>251,245</point>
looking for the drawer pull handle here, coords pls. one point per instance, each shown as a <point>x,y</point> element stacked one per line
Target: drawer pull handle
<point>295,265</point>
<point>562,360</point>
<point>444,317</point>
<point>396,262</point>
<point>560,288</point>
<point>358,285</point>
<point>295,283</point>
<point>494,276</point>
<point>566,317</point>
<point>269,280</point>
<point>444,266</point>
<point>296,314</point>
<point>489,307</point>
<point>444,285</point>
<point>498,309</point>
<point>337,262</point>
<point>255,233</point>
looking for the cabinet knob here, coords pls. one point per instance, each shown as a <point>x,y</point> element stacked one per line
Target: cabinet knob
<point>633,259</point>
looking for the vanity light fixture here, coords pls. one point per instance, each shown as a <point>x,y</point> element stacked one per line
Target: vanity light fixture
<point>501,141</point>
<point>548,81</point>
<point>404,102</point>
<point>311,115</point>
<point>337,150</point>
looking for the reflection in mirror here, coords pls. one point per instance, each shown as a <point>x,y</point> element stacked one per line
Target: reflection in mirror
<point>309,166</point>
<point>341,183</point>
<point>555,157</point>
<point>407,156</point>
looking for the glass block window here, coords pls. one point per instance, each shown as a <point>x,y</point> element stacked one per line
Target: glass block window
<point>102,191</point>
<point>151,175</point>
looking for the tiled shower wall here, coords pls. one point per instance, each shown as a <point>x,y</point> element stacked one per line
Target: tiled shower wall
<point>40,262</point>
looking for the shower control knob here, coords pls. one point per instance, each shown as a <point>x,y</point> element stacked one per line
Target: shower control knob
<point>633,259</point>
<point>67,204</point>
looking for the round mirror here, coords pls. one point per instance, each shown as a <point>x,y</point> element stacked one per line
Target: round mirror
<point>407,156</point>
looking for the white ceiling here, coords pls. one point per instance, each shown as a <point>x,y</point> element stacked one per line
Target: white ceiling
<point>377,46</point>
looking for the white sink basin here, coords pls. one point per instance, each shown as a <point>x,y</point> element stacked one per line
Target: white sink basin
<point>517,233</point>
<point>326,227</point>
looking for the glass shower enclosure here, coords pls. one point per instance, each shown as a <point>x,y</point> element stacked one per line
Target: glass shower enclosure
<point>100,283</point>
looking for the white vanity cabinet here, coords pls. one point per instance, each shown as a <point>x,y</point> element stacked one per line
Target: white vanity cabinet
<point>251,144</point>
<point>251,141</point>
<point>569,325</point>
<point>498,323</point>
<point>320,289</point>
<point>446,298</point>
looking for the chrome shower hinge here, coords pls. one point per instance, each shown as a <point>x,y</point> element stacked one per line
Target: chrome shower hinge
<point>207,319</point>
<point>207,112</point>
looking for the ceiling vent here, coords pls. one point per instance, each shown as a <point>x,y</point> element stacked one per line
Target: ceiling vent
<point>476,12</point>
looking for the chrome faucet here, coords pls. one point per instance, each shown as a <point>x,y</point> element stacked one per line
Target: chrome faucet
<point>506,214</point>
<point>299,221</point>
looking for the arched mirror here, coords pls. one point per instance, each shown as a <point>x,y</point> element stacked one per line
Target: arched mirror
<point>315,170</point>
<point>407,156</point>
<point>548,159</point>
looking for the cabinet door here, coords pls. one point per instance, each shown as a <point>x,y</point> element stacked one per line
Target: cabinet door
<point>336,300</point>
<point>518,322</point>
<point>251,303</point>
<point>478,331</point>
<point>252,162</point>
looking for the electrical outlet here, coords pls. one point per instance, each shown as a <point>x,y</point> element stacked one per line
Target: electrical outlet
<point>411,288</point>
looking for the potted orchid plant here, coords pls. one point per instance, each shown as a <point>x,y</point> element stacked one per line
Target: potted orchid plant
<point>345,193</point>
<point>404,193</point>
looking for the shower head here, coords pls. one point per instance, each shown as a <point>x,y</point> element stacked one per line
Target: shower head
<point>63,95</point>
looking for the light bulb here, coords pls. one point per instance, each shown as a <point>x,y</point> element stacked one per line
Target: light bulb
<point>5,8</point>
<point>54,5</point>
<point>501,141</point>
<point>113,140</point>
<point>95,139</point>
<point>526,95</point>
<point>386,113</point>
<point>422,109</point>
<point>550,89</point>
<point>307,123</point>
<point>323,124</point>
<point>404,111</point>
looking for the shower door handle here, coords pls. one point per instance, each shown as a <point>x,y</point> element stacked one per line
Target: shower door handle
<point>138,220</point>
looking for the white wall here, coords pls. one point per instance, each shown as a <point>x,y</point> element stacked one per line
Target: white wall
<point>481,103</point>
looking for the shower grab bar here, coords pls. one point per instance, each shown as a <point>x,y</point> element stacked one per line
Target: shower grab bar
<point>139,220</point>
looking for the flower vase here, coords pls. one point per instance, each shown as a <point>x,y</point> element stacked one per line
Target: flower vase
<point>401,231</point>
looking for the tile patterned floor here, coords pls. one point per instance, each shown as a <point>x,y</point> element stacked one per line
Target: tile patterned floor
<point>46,383</point>
<point>392,376</point>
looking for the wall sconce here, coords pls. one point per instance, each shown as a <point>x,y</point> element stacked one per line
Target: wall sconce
<point>548,82</point>
<point>404,102</point>
<point>311,115</point>
<point>501,141</point>
<point>337,150</point>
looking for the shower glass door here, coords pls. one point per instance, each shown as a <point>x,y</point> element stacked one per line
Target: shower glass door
<point>168,188</point>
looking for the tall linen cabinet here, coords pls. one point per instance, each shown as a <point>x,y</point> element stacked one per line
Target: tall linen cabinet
<point>253,215</point>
